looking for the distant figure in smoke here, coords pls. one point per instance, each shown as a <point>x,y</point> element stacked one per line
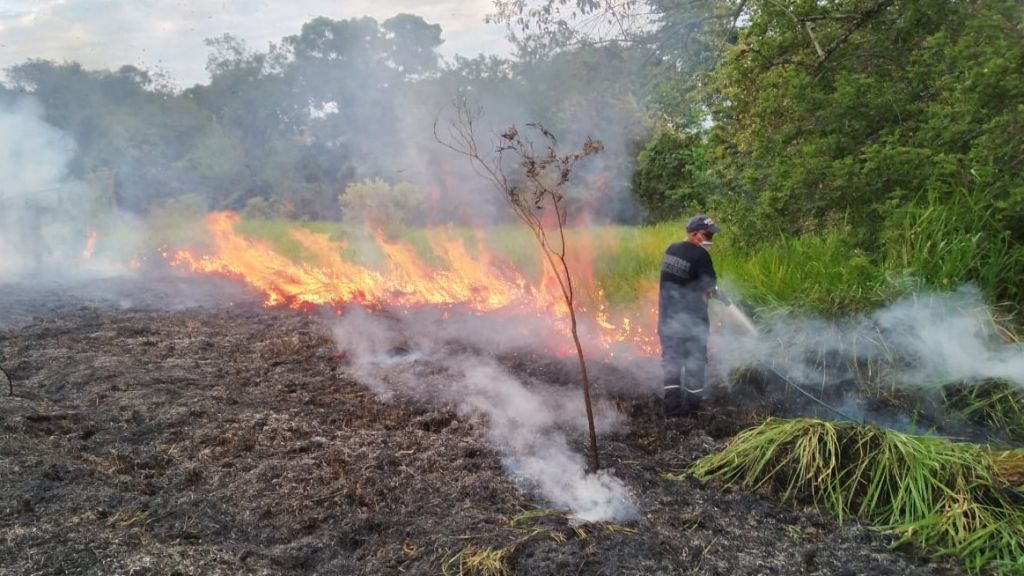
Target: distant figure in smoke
<point>687,281</point>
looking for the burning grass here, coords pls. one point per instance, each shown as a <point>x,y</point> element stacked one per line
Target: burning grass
<point>953,498</point>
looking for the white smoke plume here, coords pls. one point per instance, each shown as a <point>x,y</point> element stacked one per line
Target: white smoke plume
<point>922,341</point>
<point>49,223</point>
<point>949,338</point>
<point>527,422</point>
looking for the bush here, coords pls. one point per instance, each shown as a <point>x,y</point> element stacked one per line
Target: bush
<point>669,177</point>
<point>380,205</point>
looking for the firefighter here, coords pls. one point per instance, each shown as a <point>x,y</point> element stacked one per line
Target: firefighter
<point>688,280</point>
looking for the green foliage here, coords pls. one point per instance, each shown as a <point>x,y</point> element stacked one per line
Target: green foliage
<point>669,174</point>
<point>944,496</point>
<point>824,274</point>
<point>993,403</point>
<point>834,113</point>
<point>951,239</point>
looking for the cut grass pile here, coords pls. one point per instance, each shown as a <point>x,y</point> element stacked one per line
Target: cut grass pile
<point>951,498</point>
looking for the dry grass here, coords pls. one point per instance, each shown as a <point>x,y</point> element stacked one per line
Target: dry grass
<point>558,526</point>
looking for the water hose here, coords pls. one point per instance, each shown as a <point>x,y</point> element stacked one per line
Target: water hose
<point>748,325</point>
<point>800,389</point>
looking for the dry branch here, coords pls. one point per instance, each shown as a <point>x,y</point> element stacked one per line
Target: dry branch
<point>534,192</point>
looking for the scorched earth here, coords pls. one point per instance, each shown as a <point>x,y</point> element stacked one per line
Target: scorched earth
<point>174,425</point>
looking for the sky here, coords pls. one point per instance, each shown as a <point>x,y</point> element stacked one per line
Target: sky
<point>168,34</point>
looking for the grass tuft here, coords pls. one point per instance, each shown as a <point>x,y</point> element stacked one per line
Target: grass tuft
<point>474,561</point>
<point>556,525</point>
<point>953,498</point>
<point>993,403</point>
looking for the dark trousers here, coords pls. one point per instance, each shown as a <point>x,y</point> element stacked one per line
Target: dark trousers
<point>684,361</point>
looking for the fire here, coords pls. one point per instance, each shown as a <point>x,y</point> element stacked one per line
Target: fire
<point>479,281</point>
<point>90,245</point>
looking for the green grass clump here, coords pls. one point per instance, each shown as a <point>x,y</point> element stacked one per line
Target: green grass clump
<point>965,236</point>
<point>994,403</point>
<point>628,263</point>
<point>948,497</point>
<point>824,274</point>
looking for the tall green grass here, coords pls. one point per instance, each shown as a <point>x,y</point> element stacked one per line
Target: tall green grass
<point>951,498</point>
<point>825,274</point>
<point>948,241</point>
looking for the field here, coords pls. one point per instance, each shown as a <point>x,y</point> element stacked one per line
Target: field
<point>164,421</point>
<point>172,425</point>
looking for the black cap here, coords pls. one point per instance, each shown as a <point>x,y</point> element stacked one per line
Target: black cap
<point>700,223</point>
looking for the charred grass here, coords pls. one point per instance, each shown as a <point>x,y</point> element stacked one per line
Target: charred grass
<point>225,439</point>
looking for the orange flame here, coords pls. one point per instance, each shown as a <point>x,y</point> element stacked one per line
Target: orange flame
<point>478,282</point>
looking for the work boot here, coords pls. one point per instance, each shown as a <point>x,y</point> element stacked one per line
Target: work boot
<point>691,401</point>
<point>673,404</point>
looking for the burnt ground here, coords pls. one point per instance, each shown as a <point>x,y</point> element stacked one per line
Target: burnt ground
<point>152,433</point>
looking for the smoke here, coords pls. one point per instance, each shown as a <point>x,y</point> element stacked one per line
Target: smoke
<point>919,343</point>
<point>949,338</point>
<point>50,224</point>
<point>529,423</point>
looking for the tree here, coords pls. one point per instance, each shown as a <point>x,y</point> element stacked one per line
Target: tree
<point>669,174</point>
<point>832,113</point>
<point>123,122</point>
<point>535,191</point>
<point>675,42</point>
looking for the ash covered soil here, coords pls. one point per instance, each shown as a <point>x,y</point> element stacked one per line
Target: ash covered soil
<point>152,433</point>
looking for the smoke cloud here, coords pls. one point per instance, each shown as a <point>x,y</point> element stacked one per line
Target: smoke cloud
<point>49,223</point>
<point>949,338</point>
<point>528,423</point>
<point>921,342</point>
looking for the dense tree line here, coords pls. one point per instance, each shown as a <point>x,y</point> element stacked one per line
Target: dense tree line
<point>896,124</point>
<point>870,118</point>
<point>289,129</point>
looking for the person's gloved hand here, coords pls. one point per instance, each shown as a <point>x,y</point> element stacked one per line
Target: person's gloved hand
<point>717,294</point>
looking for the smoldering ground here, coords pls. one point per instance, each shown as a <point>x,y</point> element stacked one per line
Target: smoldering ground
<point>447,358</point>
<point>236,439</point>
<point>528,422</point>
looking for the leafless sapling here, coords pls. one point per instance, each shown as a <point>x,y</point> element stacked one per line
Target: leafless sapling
<point>534,187</point>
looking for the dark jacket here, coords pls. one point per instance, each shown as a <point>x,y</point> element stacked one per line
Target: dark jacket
<point>686,272</point>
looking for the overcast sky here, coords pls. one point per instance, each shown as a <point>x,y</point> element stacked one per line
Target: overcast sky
<point>169,34</point>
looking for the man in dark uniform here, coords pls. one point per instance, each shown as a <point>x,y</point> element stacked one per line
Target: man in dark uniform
<point>687,281</point>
